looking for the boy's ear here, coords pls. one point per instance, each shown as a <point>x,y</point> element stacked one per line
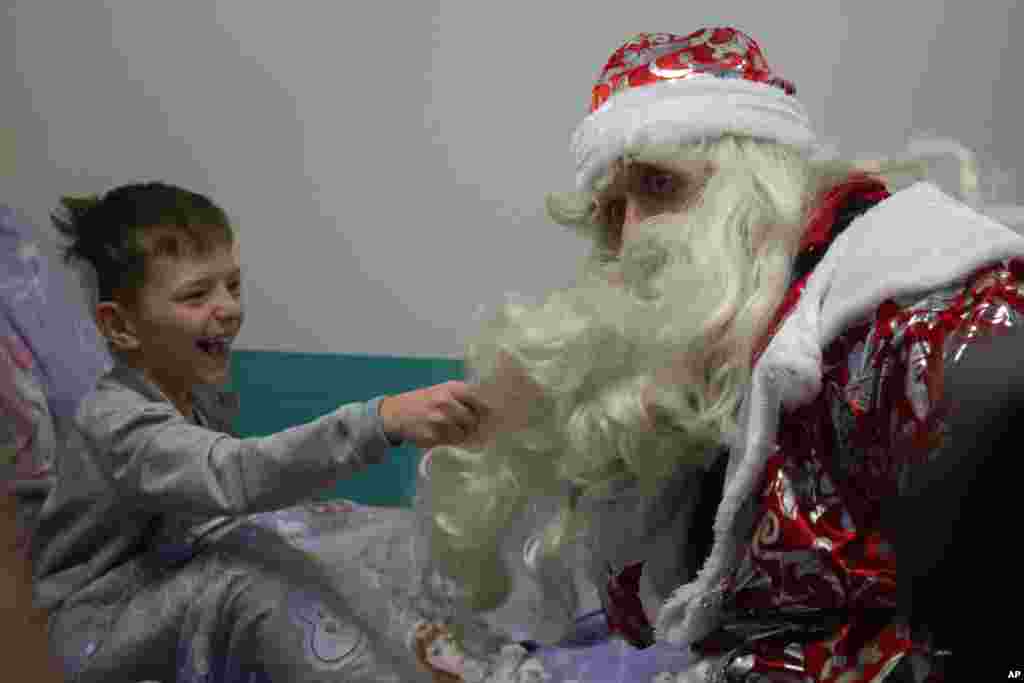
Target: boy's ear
<point>115,323</point>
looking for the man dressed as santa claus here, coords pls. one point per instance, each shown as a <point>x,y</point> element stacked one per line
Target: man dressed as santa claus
<point>703,429</point>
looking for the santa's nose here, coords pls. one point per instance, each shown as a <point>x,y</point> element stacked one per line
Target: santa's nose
<point>633,215</point>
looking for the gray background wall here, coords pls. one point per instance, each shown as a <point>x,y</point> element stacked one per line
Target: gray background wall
<point>386,162</point>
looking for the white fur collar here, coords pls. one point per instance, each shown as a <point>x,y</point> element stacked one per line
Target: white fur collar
<point>916,241</point>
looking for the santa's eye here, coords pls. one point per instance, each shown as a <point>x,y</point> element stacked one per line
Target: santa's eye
<point>659,184</point>
<point>652,183</point>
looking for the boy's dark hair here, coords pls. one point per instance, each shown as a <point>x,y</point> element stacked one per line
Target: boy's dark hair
<point>117,233</point>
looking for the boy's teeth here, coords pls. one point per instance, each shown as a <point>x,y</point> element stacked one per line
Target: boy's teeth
<point>214,345</point>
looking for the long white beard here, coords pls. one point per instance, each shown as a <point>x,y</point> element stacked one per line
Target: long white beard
<point>599,384</point>
<point>575,371</point>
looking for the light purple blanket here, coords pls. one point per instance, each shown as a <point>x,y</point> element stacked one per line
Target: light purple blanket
<point>50,356</point>
<point>39,309</point>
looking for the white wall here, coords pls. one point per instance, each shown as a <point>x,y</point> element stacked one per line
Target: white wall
<point>386,162</point>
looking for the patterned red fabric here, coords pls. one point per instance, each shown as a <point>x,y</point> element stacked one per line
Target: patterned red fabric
<point>625,611</point>
<point>648,58</point>
<point>819,236</point>
<point>881,412</point>
<point>819,226</point>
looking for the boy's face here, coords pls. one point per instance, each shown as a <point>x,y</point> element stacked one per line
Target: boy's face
<point>186,317</point>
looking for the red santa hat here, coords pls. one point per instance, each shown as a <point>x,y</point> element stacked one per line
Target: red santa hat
<point>661,87</point>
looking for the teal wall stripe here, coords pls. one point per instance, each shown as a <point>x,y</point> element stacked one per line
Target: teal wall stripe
<point>280,390</point>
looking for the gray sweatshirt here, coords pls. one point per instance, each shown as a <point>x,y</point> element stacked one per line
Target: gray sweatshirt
<point>135,472</point>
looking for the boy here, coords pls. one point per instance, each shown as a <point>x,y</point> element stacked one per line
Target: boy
<point>142,551</point>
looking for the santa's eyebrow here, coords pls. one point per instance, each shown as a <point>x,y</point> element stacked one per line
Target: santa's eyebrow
<point>680,167</point>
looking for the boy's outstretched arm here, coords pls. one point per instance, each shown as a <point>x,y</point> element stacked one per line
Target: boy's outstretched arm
<point>165,463</point>
<point>448,413</point>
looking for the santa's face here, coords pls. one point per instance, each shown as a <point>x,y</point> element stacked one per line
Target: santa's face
<point>641,191</point>
<point>678,268</point>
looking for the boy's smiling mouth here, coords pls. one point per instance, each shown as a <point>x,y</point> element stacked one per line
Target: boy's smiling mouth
<point>215,346</point>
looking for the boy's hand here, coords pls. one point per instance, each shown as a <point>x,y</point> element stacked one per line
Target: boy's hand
<point>446,413</point>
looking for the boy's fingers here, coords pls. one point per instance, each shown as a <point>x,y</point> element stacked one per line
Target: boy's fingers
<point>462,412</point>
<point>469,396</point>
<point>445,407</point>
<point>441,435</point>
<point>455,417</point>
<point>466,418</point>
<point>458,434</point>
